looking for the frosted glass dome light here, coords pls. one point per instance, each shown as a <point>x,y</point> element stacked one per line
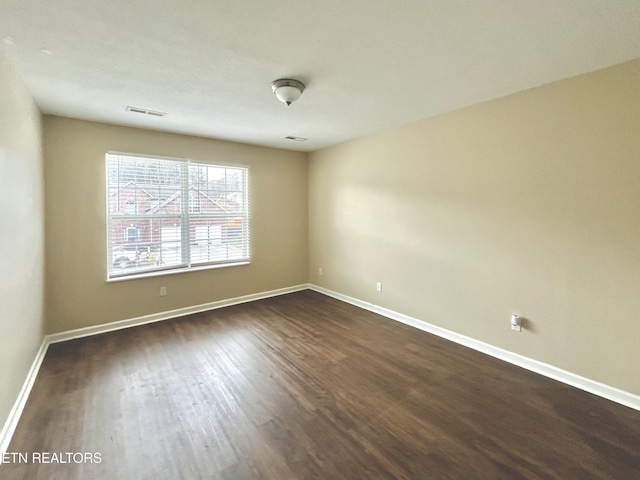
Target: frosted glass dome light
<point>287,90</point>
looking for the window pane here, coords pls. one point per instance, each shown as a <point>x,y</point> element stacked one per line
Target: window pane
<point>141,186</point>
<point>132,245</point>
<point>216,239</point>
<point>169,213</point>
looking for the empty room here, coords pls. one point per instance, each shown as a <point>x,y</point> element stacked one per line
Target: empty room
<point>320,240</point>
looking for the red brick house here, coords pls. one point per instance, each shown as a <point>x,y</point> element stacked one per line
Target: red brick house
<point>148,219</point>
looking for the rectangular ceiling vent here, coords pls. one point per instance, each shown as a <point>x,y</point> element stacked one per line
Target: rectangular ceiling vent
<point>296,139</point>
<point>144,111</point>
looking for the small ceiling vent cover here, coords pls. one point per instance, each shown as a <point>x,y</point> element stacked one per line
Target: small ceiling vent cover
<point>144,111</point>
<point>296,139</point>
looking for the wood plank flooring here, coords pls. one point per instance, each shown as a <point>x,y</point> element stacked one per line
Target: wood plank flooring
<point>303,386</point>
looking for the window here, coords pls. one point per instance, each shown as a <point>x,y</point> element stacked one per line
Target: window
<point>131,234</point>
<point>130,207</point>
<point>194,202</point>
<point>167,214</point>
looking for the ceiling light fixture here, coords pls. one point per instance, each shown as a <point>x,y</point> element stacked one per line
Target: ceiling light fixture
<point>287,90</point>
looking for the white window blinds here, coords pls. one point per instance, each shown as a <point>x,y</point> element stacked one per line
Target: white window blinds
<point>173,214</point>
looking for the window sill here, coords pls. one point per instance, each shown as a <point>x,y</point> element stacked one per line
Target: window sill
<point>160,273</point>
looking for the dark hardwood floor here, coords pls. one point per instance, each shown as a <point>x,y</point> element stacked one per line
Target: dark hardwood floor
<point>306,387</point>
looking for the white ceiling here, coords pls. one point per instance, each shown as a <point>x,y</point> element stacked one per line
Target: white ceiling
<point>369,65</point>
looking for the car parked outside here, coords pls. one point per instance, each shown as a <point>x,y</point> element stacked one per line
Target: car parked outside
<point>124,256</point>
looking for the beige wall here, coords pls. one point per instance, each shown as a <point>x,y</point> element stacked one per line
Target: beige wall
<point>21,235</point>
<point>525,204</point>
<point>77,293</point>
<point>528,204</point>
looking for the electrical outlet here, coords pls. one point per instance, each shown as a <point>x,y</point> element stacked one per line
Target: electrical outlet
<point>163,291</point>
<point>320,271</point>
<point>379,286</point>
<point>516,323</point>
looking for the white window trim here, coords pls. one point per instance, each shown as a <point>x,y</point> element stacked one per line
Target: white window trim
<point>186,266</point>
<point>174,271</point>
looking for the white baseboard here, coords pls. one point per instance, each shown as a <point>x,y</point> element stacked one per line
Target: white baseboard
<point>160,316</point>
<point>14,416</point>
<point>586,384</point>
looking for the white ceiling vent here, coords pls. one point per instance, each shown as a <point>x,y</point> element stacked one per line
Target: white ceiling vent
<point>144,111</point>
<point>296,139</point>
